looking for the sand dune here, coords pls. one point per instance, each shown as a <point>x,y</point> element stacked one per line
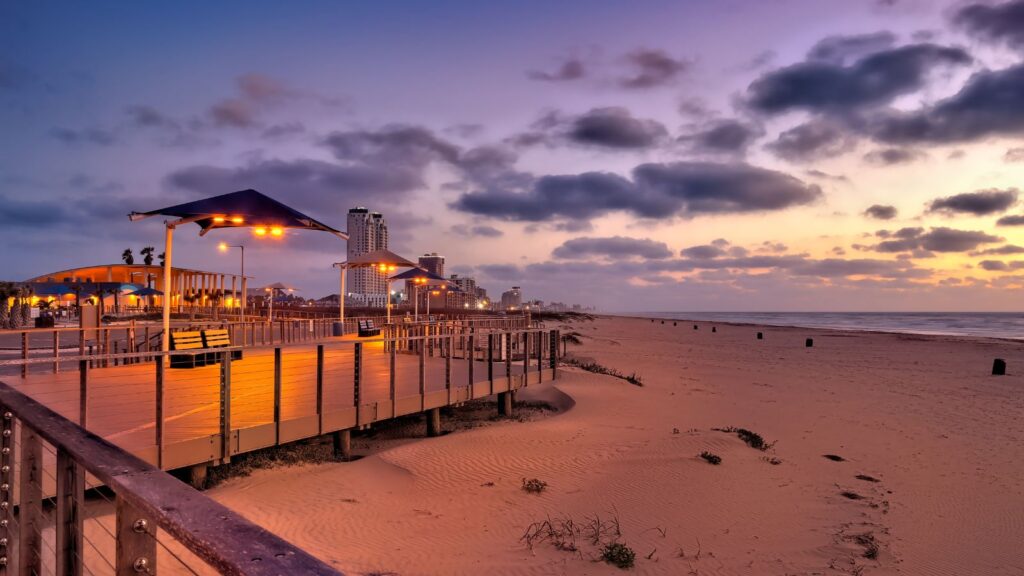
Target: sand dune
<point>921,415</point>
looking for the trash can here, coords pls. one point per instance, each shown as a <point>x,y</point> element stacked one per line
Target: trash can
<point>338,329</point>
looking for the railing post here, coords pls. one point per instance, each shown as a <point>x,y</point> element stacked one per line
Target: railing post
<point>69,518</point>
<point>320,388</point>
<point>472,357</point>
<point>24,354</point>
<point>490,360</point>
<point>56,351</point>
<point>553,353</point>
<point>225,405</point>
<point>508,359</point>
<point>83,393</point>
<point>159,412</point>
<point>446,351</point>
<point>356,373</point>
<point>8,530</point>
<point>30,504</point>
<point>422,370</point>
<point>526,358</point>
<point>277,396</point>
<point>391,376</point>
<point>540,357</point>
<point>136,541</point>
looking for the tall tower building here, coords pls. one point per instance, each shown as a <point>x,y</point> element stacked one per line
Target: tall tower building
<point>433,263</point>
<point>367,231</point>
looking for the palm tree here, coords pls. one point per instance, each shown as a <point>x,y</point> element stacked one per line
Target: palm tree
<point>25,307</point>
<point>161,257</point>
<point>147,254</point>
<point>127,256</point>
<point>6,292</point>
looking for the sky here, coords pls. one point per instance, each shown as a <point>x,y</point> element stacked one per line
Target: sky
<point>727,155</point>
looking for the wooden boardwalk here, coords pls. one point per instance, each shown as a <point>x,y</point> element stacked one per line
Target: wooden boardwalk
<point>311,396</point>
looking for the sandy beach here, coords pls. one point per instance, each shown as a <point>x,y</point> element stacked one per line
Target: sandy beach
<point>935,440</point>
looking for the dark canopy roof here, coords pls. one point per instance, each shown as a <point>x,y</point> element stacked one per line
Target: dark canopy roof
<point>417,273</point>
<point>382,256</point>
<point>252,207</point>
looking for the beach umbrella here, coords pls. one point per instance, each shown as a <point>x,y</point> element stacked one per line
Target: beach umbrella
<point>246,208</point>
<point>382,260</point>
<point>420,277</point>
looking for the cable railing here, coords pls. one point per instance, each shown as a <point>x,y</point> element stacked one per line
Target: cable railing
<point>72,503</point>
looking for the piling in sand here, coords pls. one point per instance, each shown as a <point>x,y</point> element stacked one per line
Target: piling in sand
<point>999,367</point>
<point>809,343</point>
<point>760,335</point>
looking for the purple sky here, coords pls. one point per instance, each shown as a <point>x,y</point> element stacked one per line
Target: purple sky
<point>701,155</point>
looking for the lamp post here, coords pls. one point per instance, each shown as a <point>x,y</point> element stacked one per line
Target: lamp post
<point>223,247</point>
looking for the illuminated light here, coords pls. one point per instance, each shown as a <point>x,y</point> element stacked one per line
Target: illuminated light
<point>259,231</point>
<point>276,231</point>
<point>223,247</point>
<point>237,220</point>
<point>218,219</point>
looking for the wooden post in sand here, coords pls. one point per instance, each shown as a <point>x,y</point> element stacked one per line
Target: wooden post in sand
<point>714,329</point>
<point>694,326</point>
<point>434,422</point>
<point>999,367</point>
<point>505,403</point>
<point>809,343</point>
<point>343,445</point>
<point>760,335</point>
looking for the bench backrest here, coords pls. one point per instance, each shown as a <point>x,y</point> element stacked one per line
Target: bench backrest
<point>362,325</point>
<point>369,325</point>
<point>218,338</point>
<point>186,341</point>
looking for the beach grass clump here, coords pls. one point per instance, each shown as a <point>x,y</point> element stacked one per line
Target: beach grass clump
<point>534,485</point>
<point>711,457</point>
<point>869,543</point>
<point>619,555</point>
<point>752,439</point>
<point>572,338</point>
<point>596,368</point>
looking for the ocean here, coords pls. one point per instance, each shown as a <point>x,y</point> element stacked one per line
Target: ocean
<point>990,324</point>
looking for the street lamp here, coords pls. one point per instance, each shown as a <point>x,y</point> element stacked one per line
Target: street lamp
<point>224,247</point>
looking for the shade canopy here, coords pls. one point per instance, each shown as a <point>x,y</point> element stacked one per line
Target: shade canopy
<point>278,286</point>
<point>50,289</point>
<point>146,292</point>
<point>414,273</point>
<point>378,257</point>
<point>239,209</point>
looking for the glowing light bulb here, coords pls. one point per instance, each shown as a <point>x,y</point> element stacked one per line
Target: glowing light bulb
<point>260,231</point>
<point>237,220</point>
<point>276,231</point>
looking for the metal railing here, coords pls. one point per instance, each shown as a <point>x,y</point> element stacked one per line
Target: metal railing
<point>53,477</point>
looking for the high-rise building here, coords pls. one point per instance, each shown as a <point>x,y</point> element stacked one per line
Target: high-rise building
<point>433,263</point>
<point>512,299</point>
<point>465,296</point>
<point>367,231</point>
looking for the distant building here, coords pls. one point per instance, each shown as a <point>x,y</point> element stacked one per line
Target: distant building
<point>367,231</point>
<point>465,294</point>
<point>433,263</point>
<point>512,299</point>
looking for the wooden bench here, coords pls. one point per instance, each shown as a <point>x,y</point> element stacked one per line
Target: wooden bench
<point>187,341</point>
<point>219,338</point>
<point>367,328</point>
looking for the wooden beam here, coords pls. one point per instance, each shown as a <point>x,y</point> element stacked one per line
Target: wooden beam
<point>30,504</point>
<point>70,514</point>
<point>136,541</point>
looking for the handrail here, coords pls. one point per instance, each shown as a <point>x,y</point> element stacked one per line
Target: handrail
<point>225,540</point>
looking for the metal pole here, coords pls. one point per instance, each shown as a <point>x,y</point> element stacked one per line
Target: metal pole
<point>168,244</point>
<point>388,296</point>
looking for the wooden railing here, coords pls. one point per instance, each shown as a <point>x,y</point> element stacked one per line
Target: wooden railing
<point>159,524</point>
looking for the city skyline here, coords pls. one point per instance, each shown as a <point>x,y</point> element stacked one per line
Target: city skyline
<point>672,156</point>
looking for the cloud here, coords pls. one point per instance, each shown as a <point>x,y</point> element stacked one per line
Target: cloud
<point>571,69</point>
<point>892,156</point>
<point>655,191</point>
<point>92,136</point>
<point>987,105</point>
<point>482,231</point>
<point>256,93</point>
<point>993,265</point>
<point>939,239</point>
<point>812,140</point>
<point>651,68</point>
<point>614,127</point>
<point>728,136</point>
<point>1014,220</point>
<point>614,247</point>
<point>880,212</point>
<point>840,49</point>
<point>400,145</point>
<point>980,203</point>
<point>1014,155</point>
<point>998,23</point>
<point>871,81</point>
<point>1000,251</point>
<point>703,252</point>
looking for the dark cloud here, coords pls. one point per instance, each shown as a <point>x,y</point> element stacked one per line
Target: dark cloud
<point>652,68</point>
<point>483,231</point>
<point>256,93</point>
<point>935,240</point>
<point>892,156</point>
<point>91,136</point>
<point>841,49</point>
<point>880,212</point>
<point>1000,23</point>
<point>614,247</point>
<point>29,213</point>
<point>147,116</point>
<point>1000,251</point>
<point>571,69</point>
<point>812,140</point>
<point>656,191</point>
<point>394,145</point>
<point>283,130</point>
<point>815,173</point>
<point>993,265</point>
<point>980,203</point>
<point>234,113</point>
<point>728,136</point>
<point>614,128</point>
<point>1013,220</point>
<point>989,104</point>
<point>702,252</point>
<point>1014,155</point>
<point>871,81</point>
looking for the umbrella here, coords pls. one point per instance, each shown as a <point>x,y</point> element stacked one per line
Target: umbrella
<point>417,272</point>
<point>146,292</point>
<point>385,260</point>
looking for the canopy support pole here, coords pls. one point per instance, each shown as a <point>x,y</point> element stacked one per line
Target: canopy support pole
<point>165,339</point>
